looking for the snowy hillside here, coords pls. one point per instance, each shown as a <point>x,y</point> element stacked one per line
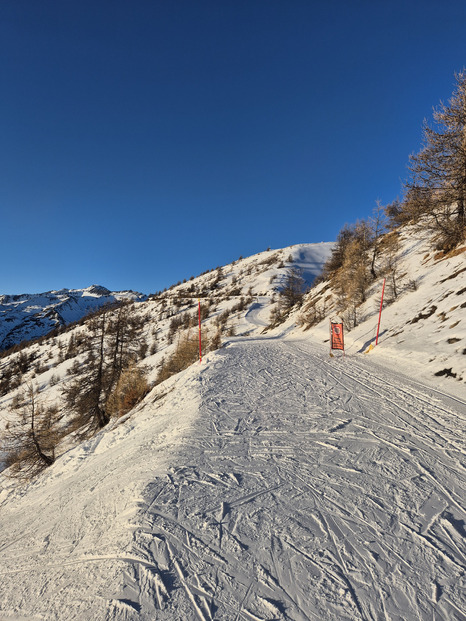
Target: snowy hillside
<point>28,316</point>
<point>270,482</point>
<point>423,329</point>
<point>250,283</point>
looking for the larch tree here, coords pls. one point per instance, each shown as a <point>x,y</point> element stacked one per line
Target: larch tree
<point>391,268</point>
<point>378,225</point>
<point>85,396</point>
<point>293,289</point>
<point>124,341</point>
<point>345,236</point>
<point>112,344</point>
<point>30,441</point>
<point>130,389</point>
<point>436,189</point>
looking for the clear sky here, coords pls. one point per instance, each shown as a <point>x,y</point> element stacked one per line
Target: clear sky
<point>145,141</point>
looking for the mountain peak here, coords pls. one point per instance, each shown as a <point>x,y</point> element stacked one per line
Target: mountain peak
<point>98,290</point>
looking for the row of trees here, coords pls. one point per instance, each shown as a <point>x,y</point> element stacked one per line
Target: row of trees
<point>106,382</point>
<point>110,350</point>
<point>355,262</point>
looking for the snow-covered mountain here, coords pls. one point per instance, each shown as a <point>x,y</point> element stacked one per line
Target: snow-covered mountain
<point>28,316</point>
<point>270,482</point>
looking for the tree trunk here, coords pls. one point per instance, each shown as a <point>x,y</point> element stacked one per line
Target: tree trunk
<point>45,458</point>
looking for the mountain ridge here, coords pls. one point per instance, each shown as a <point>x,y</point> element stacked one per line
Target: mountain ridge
<point>26,316</point>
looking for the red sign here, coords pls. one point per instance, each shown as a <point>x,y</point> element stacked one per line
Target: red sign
<point>336,336</point>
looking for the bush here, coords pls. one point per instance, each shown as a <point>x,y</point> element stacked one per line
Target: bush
<point>187,353</point>
<point>130,389</point>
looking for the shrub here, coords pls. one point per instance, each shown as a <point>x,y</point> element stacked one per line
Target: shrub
<point>130,389</point>
<point>186,353</point>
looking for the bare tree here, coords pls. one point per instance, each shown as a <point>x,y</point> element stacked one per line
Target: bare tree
<point>353,278</point>
<point>124,336</point>
<point>31,440</point>
<point>293,289</point>
<point>391,269</point>
<point>436,190</point>
<point>85,396</point>
<point>378,225</point>
<point>113,343</point>
<point>335,261</point>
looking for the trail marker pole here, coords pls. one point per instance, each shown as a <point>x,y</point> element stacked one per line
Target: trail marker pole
<point>380,313</point>
<point>200,337</point>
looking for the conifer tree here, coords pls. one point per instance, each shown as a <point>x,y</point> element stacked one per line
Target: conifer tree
<point>131,387</point>
<point>112,345</point>
<point>337,257</point>
<point>391,265</point>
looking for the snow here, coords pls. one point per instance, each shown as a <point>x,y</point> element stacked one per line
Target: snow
<point>269,482</point>
<point>310,258</point>
<point>423,331</point>
<point>29,316</point>
<point>274,483</point>
<point>69,536</point>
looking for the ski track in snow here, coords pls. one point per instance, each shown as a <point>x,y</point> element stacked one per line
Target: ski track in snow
<point>303,488</point>
<point>311,489</point>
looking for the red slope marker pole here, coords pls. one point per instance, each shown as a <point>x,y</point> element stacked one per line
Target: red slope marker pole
<point>200,338</point>
<point>380,313</point>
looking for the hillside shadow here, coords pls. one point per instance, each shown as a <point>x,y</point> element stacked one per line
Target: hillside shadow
<point>371,341</point>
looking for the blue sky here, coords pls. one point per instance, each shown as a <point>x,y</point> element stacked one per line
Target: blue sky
<point>144,142</point>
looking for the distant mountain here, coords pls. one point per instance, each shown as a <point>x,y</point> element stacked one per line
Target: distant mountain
<point>28,316</point>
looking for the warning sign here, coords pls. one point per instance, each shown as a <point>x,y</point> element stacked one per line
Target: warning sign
<point>336,336</point>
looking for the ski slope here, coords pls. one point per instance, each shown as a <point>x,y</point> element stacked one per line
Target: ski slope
<point>309,490</point>
<point>273,483</point>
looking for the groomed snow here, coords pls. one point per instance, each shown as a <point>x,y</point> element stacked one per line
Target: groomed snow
<point>274,483</point>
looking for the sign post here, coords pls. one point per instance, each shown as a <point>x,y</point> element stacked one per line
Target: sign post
<point>336,336</point>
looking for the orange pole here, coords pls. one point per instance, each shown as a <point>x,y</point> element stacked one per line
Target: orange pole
<point>380,313</point>
<point>200,338</point>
